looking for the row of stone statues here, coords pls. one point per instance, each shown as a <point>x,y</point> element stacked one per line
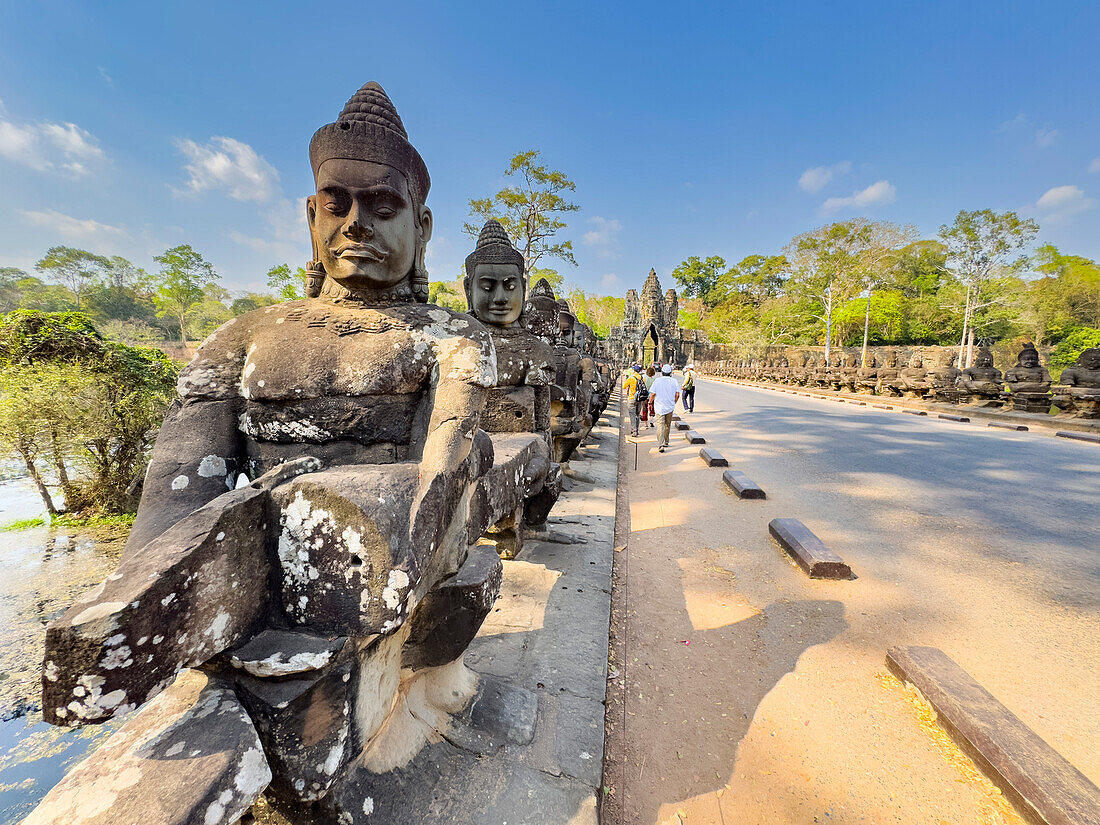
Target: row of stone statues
<point>1025,387</point>
<point>322,521</point>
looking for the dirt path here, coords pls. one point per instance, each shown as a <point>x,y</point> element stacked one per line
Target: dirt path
<point>742,692</point>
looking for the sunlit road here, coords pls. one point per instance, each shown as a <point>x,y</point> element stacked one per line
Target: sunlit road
<point>982,542</point>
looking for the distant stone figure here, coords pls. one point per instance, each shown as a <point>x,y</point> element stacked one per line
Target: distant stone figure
<point>849,372</point>
<point>943,377</point>
<point>1029,382</point>
<point>1078,391</point>
<point>517,409</point>
<point>914,378</point>
<point>889,377</point>
<point>867,376</point>
<point>983,383</point>
<point>301,527</point>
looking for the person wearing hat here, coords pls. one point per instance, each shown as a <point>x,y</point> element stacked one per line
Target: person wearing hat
<point>687,388</point>
<point>664,393</point>
<point>636,394</point>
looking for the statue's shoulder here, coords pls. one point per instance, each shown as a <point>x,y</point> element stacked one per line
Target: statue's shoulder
<point>215,371</point>
<point>460,340</point>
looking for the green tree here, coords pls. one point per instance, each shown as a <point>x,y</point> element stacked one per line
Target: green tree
<point>74,268</point>
<point>982,245</point>
<point>552,277</point>
<point>1065,297</point>
<point>755,279</point>
<point>530,212</point>
<point>66,392</point>
<point>449,294</point>
<point>181,284</point>
<point>698,277</point>
<point>288,285</point>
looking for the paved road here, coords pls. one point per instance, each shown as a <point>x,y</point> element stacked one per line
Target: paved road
<point>982,542</point>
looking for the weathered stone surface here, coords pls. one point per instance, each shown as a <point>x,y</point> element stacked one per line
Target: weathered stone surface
<point>279,653</point>
<point>447,620</point>
<point>1020,428</point>
<point>190,756</point>
<point>521,463</point>
<point>1093,437</point>
<point>189,594</point>
<point>445,785</point>
<point>692,437</point>
<point>304,719</point>
<point>1039,781</point>
<point>812,555</point>
<point>713,458</point>
<point>742,485</point>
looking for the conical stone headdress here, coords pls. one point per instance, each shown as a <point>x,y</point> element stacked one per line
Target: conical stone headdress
<point>369,128</point>
<point>493,247</point>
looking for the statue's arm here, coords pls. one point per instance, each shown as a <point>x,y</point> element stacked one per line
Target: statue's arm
<point>198,452</point>
<point>196,458</point>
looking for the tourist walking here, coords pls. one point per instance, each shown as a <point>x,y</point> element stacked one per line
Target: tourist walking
<point>664,394</point>
<point>631,386</point>
<point>648,379</point>
<point>687,388</point>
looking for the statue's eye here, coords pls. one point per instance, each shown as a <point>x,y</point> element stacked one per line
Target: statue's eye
<point>384,211</point>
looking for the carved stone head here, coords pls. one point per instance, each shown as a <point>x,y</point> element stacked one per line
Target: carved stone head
<point>540,314</point>
<point>916,360</point>
<point>947,358</point>
<point>984,359</point>
<point>494,278</point>
<point>1028,357</point>
<point>566,321</point>
<point>367,220</point>
<point>1090,359</point>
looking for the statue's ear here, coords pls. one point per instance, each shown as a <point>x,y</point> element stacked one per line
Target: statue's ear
<point>425,222</point>
<point>311,218</point>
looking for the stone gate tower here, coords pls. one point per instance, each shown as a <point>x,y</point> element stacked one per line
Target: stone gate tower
<point>651,328</point>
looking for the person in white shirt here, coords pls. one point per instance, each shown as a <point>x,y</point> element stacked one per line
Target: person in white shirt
<point>664,392</point>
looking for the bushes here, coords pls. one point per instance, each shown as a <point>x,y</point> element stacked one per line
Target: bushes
<point>1076,341</point>
<point>69,396</point>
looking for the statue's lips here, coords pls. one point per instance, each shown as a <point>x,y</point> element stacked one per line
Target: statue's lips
<point>360,252</point>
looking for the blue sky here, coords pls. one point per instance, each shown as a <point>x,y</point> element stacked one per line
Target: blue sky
<point>690,129</point>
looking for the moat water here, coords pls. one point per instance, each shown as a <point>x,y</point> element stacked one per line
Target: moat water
<point>42,571</point>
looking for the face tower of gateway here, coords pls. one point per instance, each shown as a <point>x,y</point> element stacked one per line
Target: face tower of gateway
<point>651,329</point>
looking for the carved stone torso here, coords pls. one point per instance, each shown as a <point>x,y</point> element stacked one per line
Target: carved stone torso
<point>1024,379</point>
<point>981,380</point>
<point>524,362</point>
<point>348,381</point>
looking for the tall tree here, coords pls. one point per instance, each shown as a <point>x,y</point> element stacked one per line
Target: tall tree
<point>827,270</point>
<point>74,268</point>
<point>530,212</point>
<point>982,245</point>
<point>181,284</point>
<point>288,284</point>
<point>875,244</point>
<point>756,278</point>
<point>698,277</point>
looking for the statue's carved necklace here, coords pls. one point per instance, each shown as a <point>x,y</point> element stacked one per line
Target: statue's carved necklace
<point>325,311</point>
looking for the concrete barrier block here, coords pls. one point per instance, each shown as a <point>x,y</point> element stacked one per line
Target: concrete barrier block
<point>1020,428</point>
<point>808,550</point>
<point>692,437</point>
<point>1035,777</point>
<point>742,485</point>
<point>1093,437</point>
<point>682,426</point>
<point>915,412</point>
<point>713,458</point>
<point>961,418</point>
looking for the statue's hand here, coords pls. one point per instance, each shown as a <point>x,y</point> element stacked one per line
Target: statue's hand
<point>286,471</point>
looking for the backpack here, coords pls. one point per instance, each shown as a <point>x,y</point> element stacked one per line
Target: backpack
<point>642,393</point>
<point>689,381</point>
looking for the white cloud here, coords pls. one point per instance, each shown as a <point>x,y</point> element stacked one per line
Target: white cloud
<point>878,193</point>
<point>230,165</point>
<point>1046,137</point>
<point>1095,165</point>
<point>817,178</point>
<point>110,81</point>
<point>1019,120</point>
<point>604,237</point>
<point>49,147</point>
<point>86,231</point>
<point>610,281</point>
<point>1061,202</point>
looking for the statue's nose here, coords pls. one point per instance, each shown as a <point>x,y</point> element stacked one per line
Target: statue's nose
<point>358,229</point>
